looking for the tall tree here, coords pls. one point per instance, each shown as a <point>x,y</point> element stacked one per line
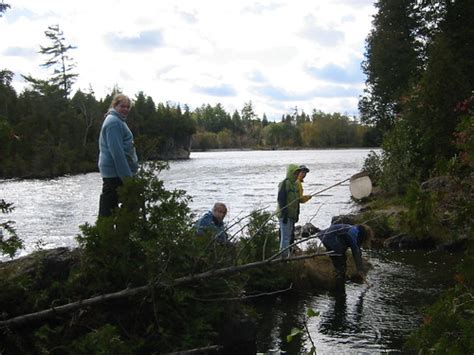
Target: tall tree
<point>393,61</point>
<point>8,97</point>
<point>59,59</point>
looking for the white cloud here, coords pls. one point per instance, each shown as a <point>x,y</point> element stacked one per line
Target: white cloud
<point>278,54</point>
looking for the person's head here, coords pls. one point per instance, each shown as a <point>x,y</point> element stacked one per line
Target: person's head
<point>366,234</point>
<point>292,172</point>
<point>122,104</point>
<point>219,211</point>
<point>302,171</point>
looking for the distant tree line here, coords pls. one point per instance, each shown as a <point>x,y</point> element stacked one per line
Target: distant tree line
<point>218,129</point>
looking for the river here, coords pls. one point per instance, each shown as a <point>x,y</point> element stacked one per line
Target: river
<point>368,320</point>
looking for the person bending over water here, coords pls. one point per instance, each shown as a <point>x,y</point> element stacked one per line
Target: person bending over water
<point>340,237</point>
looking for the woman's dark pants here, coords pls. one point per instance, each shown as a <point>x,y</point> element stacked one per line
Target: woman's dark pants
<point>109,197</point>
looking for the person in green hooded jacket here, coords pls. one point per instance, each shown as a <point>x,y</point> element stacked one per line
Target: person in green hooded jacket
<point>288,207</point>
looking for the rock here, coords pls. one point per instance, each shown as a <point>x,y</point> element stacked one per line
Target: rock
<point>45,266</point>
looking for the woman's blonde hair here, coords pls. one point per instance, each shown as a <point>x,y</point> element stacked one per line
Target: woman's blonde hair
<point>118,98</point>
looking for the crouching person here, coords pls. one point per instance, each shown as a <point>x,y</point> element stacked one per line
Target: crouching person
<point>340,237</point>
<point>212,222</point>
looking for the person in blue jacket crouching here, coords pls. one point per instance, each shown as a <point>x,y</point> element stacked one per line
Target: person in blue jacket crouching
<point>340,237</point>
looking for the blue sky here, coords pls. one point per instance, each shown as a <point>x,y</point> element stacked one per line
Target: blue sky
<point>280,55</point>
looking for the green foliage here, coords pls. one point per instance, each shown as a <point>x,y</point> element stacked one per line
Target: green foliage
<point>392,61</point>
<point>420,141</point>
<point>421,221</point>
<point>464,135</point>
<point>205,141</point>
<point>262,240</point>
<point>310,313</point>
<point>10,243</point>
<point>373,166</point>
<point>137,232</point>
<point>149,240</point>
<point>448,325</point>
<point>104,340</point>
<point>217,130</point>
<point>399,159</point>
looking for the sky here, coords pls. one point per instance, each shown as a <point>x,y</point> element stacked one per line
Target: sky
<point>281,55</point>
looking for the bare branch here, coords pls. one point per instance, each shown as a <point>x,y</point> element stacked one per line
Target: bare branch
<point>129,292</point>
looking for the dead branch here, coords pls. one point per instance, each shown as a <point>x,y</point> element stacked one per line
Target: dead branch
<point>128,292</point>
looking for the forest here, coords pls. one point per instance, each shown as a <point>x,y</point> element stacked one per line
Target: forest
<point>417,105</point>
<point>419,92</point>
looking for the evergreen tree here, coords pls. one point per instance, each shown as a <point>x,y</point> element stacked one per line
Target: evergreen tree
<point>8,97</point>
<point>59,59</point>
<point>392,62</point>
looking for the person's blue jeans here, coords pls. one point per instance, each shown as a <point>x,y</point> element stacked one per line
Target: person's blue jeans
<point>286,230</point>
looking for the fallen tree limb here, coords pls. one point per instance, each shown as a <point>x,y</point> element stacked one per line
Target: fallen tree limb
<point>128,292</point>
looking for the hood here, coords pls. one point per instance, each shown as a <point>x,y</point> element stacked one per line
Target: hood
<point>115,113</point>
<point>290,171</point>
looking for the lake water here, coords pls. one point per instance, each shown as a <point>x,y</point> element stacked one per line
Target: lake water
<point>366,321</point>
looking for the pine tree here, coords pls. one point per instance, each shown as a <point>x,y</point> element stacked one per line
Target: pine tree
<point>59,59</point>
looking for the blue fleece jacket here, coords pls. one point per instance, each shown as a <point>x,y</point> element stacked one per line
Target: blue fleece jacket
<point>208,223</point>
<point>117,157</point>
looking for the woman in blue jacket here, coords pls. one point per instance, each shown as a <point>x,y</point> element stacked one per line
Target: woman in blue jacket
<point>340,237</point>
<point>117,157</point>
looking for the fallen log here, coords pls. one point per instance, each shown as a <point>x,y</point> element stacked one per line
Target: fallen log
<point>128,292</point>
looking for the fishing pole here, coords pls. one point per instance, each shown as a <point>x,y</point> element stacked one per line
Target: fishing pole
<point>354,177</point>
<point>330,187</point>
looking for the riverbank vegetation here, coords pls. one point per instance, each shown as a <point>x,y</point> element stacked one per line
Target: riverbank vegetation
<point>420,80</point>
<point>140,281</point>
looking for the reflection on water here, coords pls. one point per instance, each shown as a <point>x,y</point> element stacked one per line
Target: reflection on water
<point>368,319</point>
